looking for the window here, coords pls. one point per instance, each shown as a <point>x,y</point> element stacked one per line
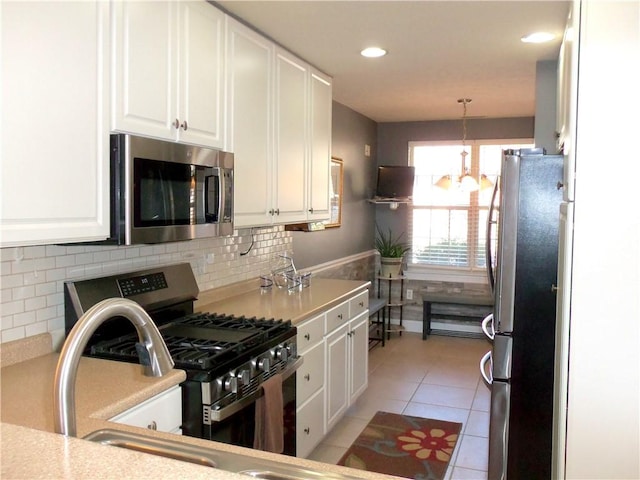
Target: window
<point>447,228</point>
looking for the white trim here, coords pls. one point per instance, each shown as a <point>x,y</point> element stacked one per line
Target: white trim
<point>340,261</point>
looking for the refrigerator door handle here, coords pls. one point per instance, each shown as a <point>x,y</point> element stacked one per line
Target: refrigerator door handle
<point>488,321</point>
<point>488,379</point>
<point>491,221</point>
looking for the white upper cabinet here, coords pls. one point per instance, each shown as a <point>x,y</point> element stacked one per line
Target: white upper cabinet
<point>250,61</point>
<point>291,125</point>
<point>168,71</point>
<point>279,130</point>
<point>318,204</point>
<point>54,168</point>
<point>566,97</point>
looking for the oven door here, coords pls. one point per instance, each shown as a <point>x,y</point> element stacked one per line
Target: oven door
<point>236,426</point>
<point>235,422</point>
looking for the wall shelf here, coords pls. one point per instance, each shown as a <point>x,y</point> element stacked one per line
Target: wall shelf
<point>393,203</point>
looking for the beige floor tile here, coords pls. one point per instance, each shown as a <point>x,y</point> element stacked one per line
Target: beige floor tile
<point>447,376</point>
<point>413,373</point>
<point>477,424</point>
<point>460,473</point>
<point>443,395</point>
<point>473,453</point>
<point>368,405</point>
<point>345,432</point>
<point>437,412</point>
<point>482,398</point>
<point>394,389</point>
<point>327,453</point>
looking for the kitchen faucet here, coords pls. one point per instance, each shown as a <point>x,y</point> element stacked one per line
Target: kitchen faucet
<point>153,353</point>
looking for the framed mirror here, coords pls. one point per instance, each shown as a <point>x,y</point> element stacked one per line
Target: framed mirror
<point>335,193</point>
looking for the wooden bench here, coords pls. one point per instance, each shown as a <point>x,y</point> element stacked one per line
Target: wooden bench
<point>453,307</point>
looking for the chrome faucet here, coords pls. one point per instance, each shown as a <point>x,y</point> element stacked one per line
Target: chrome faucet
<point>153,352</point>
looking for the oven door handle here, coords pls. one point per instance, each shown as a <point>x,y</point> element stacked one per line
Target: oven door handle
<point>226,412</point>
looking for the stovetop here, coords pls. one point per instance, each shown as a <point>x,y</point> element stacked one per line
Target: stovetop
<point>206,342</point>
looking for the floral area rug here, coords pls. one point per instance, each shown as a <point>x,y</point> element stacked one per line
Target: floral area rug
<point>412,447</point>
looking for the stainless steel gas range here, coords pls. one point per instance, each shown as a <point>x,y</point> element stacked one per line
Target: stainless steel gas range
<point>226,358</point>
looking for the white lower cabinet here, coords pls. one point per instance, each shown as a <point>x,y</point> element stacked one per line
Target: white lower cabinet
<point>162,412</point>
<point>310,424</point>
<point>347,366</point>
<point>335,349</point>
<point>310,386</point>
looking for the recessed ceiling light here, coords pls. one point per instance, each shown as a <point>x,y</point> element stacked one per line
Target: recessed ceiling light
<point>538,37</point>
<point>373,52</point>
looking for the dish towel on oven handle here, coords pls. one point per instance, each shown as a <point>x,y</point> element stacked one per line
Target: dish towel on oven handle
<point>269,432</point>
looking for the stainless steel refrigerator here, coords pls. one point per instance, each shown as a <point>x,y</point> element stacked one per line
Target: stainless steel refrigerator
<point>520,366</point>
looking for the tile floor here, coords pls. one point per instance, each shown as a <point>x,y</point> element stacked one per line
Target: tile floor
<point>437,378</point>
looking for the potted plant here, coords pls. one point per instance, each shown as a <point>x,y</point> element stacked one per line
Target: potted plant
<point>391,251</point>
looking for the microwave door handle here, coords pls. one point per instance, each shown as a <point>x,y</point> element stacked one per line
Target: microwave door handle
<point>217,177</point>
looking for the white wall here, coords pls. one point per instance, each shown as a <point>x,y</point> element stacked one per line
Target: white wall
<point>603,435</point>
<point>32,280</point>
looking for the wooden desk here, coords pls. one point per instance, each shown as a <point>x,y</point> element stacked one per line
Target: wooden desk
<point>455,307</point>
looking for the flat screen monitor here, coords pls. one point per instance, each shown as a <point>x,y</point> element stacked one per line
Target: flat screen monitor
<point>395,181</point>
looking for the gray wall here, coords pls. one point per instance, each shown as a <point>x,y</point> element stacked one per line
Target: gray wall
<point>393,148</point>
<point>350,132</point>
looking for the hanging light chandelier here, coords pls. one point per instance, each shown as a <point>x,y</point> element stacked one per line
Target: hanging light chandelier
<point>465,181</point>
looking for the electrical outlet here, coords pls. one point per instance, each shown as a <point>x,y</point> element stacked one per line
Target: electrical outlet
<point>409,294</point>
<point>367,150</point>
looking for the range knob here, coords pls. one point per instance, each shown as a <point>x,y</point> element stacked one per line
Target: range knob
<point>282,354</point>
<point>231,384</point>
<point>244,377</point>
<point>264,364</point>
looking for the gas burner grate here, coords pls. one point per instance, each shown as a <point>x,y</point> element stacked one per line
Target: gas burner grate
<point>202,341</point>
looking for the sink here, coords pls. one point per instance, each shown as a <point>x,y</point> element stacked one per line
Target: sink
<point>155,446</point>
<point>209,457</point>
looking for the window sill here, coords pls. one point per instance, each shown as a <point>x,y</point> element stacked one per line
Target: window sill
<point>445,275</point>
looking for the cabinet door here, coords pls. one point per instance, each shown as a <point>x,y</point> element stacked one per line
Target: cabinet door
<point>310,425</point>
<point>201,105</point>
<point>359,355</point>
<point>310,375</point>
<point>337,384</point>
<point>54,158</point>
<point>291,138</point>
<point>145,68</point>
<point>162,412</point>
<point>250,59</point>
<point>320,152</point>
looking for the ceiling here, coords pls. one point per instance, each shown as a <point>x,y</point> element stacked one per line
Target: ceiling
<point>439,51</point>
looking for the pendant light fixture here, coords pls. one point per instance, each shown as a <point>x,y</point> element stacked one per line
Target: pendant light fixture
<point>465,182</point>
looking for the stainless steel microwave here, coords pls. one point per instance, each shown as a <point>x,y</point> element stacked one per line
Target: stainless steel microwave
<point>167,192</point>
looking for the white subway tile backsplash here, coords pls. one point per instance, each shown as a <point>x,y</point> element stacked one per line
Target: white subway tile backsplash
<point>32,278</point>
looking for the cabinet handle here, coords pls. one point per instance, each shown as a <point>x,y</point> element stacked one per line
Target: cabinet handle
<point>272,212</point>
<point>184,125</point>
<point>307,377</point>
<point>307,336</point>
<point>176,124</point>
<point>311,210</point>
<point>361,304</point>
<point>153,425</point>
<point>277,211</point>
<point>340,316</point>
<point>307,430</point>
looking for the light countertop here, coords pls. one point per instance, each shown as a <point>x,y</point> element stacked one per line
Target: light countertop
<point>276,303</point>
<point>30,449</point>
